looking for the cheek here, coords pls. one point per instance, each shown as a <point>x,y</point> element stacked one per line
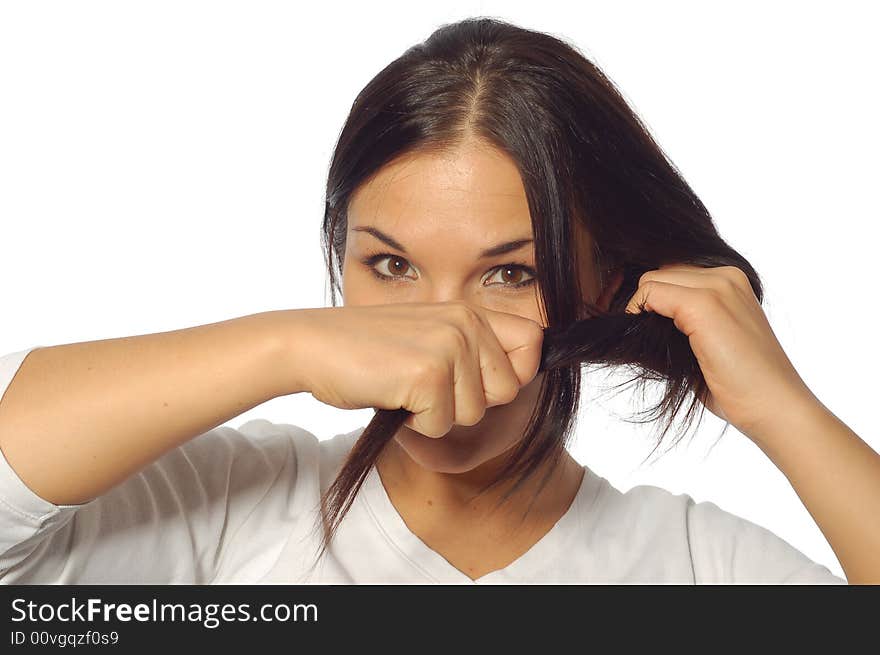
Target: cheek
<point>355,285</point>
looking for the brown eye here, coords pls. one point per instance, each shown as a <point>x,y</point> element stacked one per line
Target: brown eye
<point>394,267</point>
<point>397,266</point>
<point>512,275</point>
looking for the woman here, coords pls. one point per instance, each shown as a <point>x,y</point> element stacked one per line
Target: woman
<point>487,184</point>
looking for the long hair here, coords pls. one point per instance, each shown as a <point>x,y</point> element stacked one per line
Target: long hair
<point>583,155</point>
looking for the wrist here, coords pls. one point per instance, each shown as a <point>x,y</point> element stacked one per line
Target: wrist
<point>277,337</point>
<point>296,348</point>
<point>792,411</point>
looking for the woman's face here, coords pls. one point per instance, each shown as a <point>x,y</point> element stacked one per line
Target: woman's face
<point>442,211</point>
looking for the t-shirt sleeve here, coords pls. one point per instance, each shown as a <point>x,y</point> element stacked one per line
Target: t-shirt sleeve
<point>171,523</point>
<point>728,549</point>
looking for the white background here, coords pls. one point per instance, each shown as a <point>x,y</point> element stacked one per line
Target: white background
<point>162,165</point>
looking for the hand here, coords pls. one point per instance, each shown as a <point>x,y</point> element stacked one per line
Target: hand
<point>749,376</point>
<point>444,362</point>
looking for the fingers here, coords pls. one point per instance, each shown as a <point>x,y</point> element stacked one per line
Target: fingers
<point>470,398</point>
<point>687,294</point>
<point>432,404</point>
<point>500,380</point>
<point>469,370</point>
<point>484,374</point>
<point>680,303</point>
<point>521,340</point>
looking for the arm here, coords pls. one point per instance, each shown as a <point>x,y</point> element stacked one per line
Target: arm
<point>77,419</point>
<point>754,386</point>
<point>835,474</point>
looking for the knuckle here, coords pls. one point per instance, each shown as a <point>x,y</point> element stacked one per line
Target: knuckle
<point>509,392</point>
<point>645,288</point>
<point>432,372</point>
<point>713,298</point>
<point>731,286</point>
<point>432,430</point>
<point>502,383</point>
<point>457,338</point>
<point>466,315</point>
<point>473,416</point>
<point>537,332</point>
<point>464,312</point>
<point>740,277</point>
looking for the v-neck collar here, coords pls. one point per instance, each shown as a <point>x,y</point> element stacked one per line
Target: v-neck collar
<point>523,570</point>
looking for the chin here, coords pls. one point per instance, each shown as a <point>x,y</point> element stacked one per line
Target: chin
<point>460,450</point>
<point>466,447</point>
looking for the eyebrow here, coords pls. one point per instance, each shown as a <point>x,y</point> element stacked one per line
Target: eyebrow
<point>494,251</point>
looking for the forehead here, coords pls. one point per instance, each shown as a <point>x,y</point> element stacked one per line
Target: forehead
<point>474,189</point>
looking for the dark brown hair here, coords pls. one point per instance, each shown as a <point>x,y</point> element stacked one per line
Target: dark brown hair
<point>583,155</point>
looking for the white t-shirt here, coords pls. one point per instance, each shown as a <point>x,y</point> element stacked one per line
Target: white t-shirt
<point>239,506</point>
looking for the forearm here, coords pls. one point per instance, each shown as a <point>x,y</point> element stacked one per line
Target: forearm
<point>79,418</point>
<point>836,475</point>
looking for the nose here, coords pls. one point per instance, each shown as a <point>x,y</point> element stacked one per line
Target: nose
<point>446,297</point>
<point>445,292</point>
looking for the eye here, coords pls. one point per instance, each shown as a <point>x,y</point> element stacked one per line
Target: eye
<point>393,264</point>
<point>392,268</point>
<point>512,275</point>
